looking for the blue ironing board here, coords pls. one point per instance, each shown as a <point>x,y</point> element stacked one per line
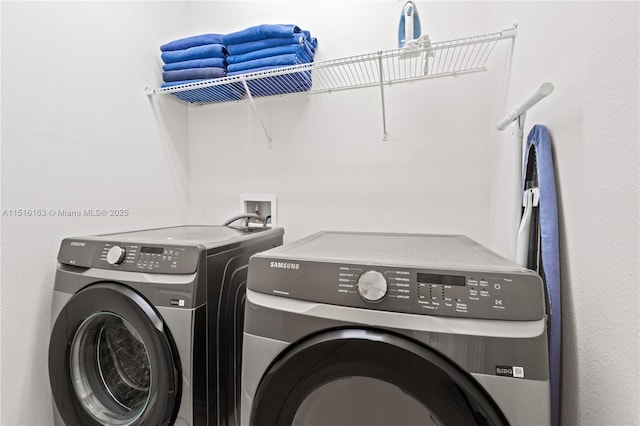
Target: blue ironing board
<point>544,256</point>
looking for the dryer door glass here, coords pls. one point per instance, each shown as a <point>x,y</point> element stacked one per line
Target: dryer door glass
<point>110,369</point>
<point>362,401</point>
<point>369,377</point>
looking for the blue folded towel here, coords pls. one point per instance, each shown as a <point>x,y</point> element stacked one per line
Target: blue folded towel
<point>193,74</point>
<point>187,42</point>
<point>312,40</point>
<point>271,61</point>
<point>195,63</point>
<point>303,51</point>
<point>260,32</point>
<point>221,93</point>
<point>197,52</point>
<point>250,46</point>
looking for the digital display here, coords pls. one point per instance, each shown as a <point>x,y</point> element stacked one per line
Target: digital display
<point>151,250</point>
<point>441,279</point>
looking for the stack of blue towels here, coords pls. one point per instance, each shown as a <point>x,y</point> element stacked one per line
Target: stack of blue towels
<point>258,48</point>
<point>265,47</point>
<point>193,59</point>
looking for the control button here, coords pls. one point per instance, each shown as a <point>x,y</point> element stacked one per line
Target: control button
<point>499,302</point>
<point>496,286</point>
<point>372,286</point>
<point>116,255</point>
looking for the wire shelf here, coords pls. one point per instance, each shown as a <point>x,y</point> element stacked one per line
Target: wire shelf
<point>418,61</point>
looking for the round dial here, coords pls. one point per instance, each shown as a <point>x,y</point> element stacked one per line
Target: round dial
<point>116,255</point>
<point>372,286</point>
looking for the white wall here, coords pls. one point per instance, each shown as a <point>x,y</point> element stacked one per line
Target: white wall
<point>445,165</point>
<point>65,135</point>
<point>589,50</point>
<point>78,132</point>
<point>328,164</point>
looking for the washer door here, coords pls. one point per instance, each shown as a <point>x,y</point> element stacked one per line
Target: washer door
<point>369,377</point>
<point>112,360</point>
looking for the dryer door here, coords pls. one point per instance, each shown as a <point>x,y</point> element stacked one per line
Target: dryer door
<point>369,377</point>
<point>112,360</point>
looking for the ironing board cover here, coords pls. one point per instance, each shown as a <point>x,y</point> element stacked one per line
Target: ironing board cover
<point>539,172</point>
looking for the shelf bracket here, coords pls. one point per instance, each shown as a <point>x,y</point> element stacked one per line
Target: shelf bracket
<point>385,135</point>
<point>255,110</point>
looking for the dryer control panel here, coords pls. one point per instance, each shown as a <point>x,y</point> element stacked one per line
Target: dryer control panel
<point>131,257</point>
<point>508,295</point>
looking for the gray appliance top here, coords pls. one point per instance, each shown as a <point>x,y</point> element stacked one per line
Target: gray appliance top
<point>409,250</point>
<point>444,275</point>
<point>191,235</point>
<point>172,250</point>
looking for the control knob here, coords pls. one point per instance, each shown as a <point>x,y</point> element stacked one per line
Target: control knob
<point>372,286</point>
<point>116,255</point>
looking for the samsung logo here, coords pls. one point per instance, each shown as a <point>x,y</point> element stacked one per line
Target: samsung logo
<point>78,243</point>
<point>284,265</point>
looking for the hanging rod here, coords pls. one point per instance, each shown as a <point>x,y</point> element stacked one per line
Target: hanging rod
<point>520,225</point>
<point>541,92</point>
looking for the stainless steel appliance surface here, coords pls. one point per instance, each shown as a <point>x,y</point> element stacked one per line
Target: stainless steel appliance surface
<point>379,328</point>
<point>147,325</point>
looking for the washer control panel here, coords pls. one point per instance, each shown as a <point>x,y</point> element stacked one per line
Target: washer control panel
<point>479,294</point>
<point>510,295</point>
<point>132,257</point>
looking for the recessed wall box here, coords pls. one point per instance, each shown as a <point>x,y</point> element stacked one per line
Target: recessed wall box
<point>261,204</point>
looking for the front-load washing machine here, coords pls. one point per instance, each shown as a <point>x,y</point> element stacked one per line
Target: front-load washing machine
<point>393,329</point>
<point>147,325</point>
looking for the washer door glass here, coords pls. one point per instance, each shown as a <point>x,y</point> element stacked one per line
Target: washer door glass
<point>369,377</point>
<point>110,369</point>
<point>113,361</point>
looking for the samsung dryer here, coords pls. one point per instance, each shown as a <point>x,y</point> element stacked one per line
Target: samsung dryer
<point>147,325</point>
<point>376,329</point>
